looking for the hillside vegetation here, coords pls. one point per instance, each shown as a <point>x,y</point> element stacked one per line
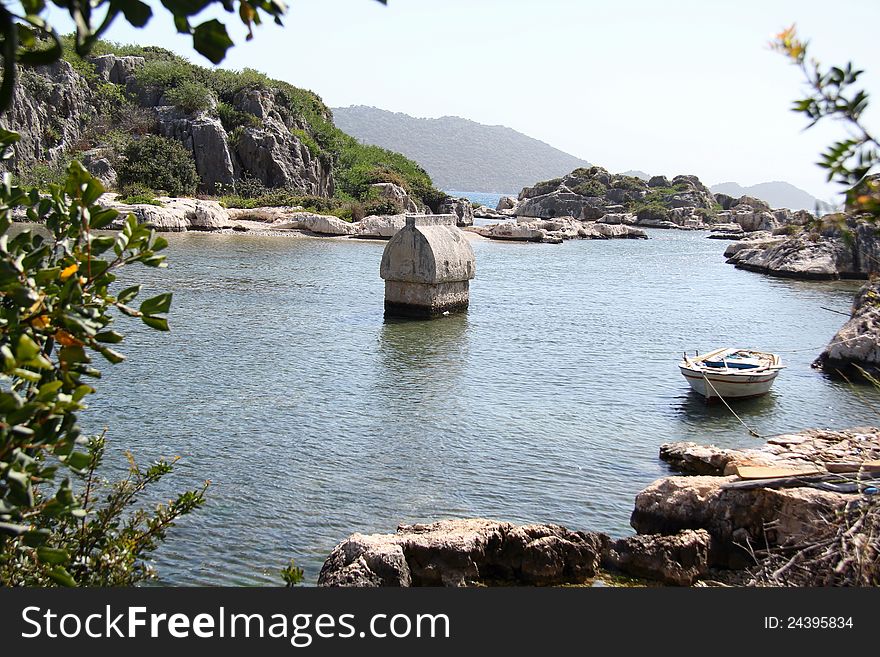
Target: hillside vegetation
<point>251,140</point>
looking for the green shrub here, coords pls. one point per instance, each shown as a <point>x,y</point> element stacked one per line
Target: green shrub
<point>191,97</point>
<point>653,210</point>
<point>165,73</point>
<point>590,188</point>
<point>232,118</point>
<point>629,183</point>
<point>43,174</point>
<point>309,143</point>
<point>160,164</point>
<point>137,193</point>
<point>60,524</point>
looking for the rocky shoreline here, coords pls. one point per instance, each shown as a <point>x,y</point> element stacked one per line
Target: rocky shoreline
<point>692,529</point>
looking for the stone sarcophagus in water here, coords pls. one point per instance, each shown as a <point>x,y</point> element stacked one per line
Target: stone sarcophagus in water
<point>427,266</point>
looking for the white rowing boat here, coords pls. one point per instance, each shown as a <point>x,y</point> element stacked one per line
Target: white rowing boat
<point>731,373</point>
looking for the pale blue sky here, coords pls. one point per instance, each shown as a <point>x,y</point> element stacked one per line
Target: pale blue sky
<point>675,87</point>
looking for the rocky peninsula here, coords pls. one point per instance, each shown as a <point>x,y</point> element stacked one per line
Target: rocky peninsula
<point>716,523</point>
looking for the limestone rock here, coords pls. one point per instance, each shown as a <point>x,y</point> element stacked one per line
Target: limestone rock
<point>680,559</point>
<point>51,109</point>
<point>506,203</point>
<point>279,158</point>
<point>117,70</point>
<point>734,518</point>
<point>812,447</point>
<point>811,256</point>
<point>205,137</point>
<point>397,195</point>
<point>380,226</point>
<point>462,553</point>
<point>174,215</point>
<point>461,208</point>
<point>554,231</point>
<point>98,165</point>
<point>856,346</point>
<point>321,224</point>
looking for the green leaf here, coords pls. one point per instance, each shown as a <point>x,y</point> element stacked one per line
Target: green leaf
<point>135,11</point>
<point>156,305</point>
<point>111,355</point>
<point>78,460</point>
<point>211,40</point>
<point>110,337</point>
<point>27,349</point>
<point>53,556</point>
<point>158,323</point>
<point>60,576</point>
<point>128,294</point>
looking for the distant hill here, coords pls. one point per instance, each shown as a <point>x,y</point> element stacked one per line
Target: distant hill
<point>458,153</point>
<point>778,194</point>
<point>635,173</point>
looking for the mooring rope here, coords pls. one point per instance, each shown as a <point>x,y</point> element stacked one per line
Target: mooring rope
<point>830,344</point>
<point>724,401</point>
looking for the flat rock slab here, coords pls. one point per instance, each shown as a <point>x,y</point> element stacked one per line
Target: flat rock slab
<point>810,449</point>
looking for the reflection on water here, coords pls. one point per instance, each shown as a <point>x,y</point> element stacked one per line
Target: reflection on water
<point>314,417</point>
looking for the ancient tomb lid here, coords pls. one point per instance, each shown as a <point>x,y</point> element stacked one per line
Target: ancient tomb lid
<point>430,249</point>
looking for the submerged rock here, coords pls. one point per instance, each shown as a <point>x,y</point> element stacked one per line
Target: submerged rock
<point>462,553</point>
<point>855,348</point>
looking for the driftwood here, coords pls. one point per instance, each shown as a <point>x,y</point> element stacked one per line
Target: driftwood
<point>826,481</point>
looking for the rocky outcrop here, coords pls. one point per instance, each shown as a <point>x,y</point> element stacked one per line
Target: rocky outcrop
<point>380,226</point>
<point>506,203</point>
<point>464,552</point>
<point>205,137</point>
<point>814,448</point>
<point>396,195</point>
<point>115,69</point>
<point>855,349</point>
<point>173,215</point>
<point>680,559</point>
<point>761,514</point>
<point>461,208</point>
<point>554,231</point>
<point>736,518</point>
<point>279,158</point>
<point>589,194</point>
<point>844,248</point>
<point>51,109</point>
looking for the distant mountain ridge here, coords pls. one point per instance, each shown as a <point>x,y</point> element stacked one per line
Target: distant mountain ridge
<point>778,194</point>
<point>458,153</point>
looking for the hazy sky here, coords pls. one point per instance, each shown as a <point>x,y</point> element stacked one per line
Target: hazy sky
<point>667,87</point>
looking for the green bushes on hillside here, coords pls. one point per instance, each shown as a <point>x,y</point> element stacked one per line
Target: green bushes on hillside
<point>160,164</point>
<point>195,89</point>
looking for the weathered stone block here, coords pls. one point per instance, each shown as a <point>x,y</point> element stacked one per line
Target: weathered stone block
<point>427,267</point>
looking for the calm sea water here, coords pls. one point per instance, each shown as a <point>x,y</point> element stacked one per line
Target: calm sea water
<point>483,198</point>
<point>315,418</point>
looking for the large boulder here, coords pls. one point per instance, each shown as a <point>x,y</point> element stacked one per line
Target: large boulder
<point>855,349</point>
<point>506,203</point>
<point>382,227</point>
<point>462,208</point>
<point>115,69</point>
<point>173,215</point>
<point>397,195</point>
<point>737,519</point>
<point>680,559</point>
<point>462,553</point>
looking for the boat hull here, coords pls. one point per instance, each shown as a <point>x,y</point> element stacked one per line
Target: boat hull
<point>729,386</point>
